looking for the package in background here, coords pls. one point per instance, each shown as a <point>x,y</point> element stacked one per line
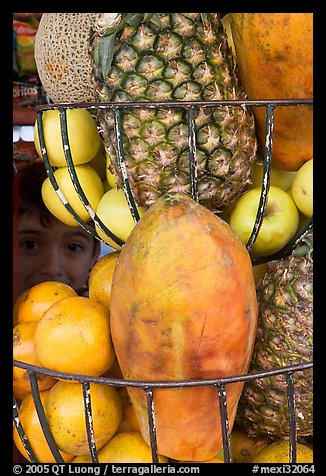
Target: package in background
<point>14,57</point>
<point>26,32</point>
<point>23,153</point>
<point>29,93</point>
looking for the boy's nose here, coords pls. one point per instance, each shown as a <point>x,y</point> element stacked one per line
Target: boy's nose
<point>53,266</point>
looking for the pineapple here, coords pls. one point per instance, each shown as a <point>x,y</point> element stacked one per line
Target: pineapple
<point>173,57</point>
<point>284,337</point>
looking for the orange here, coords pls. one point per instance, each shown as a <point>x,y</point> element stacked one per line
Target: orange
<point>40,297</point>
<point>114,371</point>
<point>23,350</point>
<point>17,303</point>
<point>82,459</point>
<point>100,278</point>
<point>33,431</point>
<point>66,415</point>
<point>74,336</point>
<point>126,447</point>
<point>244,447</point>
<point>129,420</point>
<point>215,459</point>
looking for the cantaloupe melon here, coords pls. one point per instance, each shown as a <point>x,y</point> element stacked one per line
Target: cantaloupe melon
<point>62,58</point>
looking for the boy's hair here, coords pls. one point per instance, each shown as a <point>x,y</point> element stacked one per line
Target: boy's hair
<point>30,200</point>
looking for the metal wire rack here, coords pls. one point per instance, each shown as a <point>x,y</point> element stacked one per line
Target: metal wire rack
<point>150,386</point>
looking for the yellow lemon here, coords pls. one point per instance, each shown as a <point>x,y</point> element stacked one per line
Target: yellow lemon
<point>84,139</point>
<point>278,452</point>
<point>113,210</point>
<point>91,185</point>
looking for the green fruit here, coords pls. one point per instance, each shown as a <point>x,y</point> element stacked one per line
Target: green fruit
<point>278,177</point>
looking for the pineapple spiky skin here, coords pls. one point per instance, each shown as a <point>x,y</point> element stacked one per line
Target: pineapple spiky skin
<point>284,337</point>
<point>173,57</point>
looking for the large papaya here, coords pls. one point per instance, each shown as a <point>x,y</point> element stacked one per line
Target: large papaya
<point>275,59</point>
<point>183,307</point>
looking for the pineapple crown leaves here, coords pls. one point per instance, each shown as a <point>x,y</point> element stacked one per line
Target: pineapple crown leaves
<point>107,26</point>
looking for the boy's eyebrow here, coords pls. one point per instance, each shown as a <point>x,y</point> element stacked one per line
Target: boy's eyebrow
<point>78,234</point>
<point>67,234</point>
<point>30,230</point>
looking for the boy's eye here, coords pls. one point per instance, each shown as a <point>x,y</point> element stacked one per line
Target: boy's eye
<point>75,247</point>
<point>29,244</point>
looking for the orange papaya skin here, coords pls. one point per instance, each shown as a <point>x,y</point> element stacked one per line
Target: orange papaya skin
<point>183,307</point>
<point>275,59</point>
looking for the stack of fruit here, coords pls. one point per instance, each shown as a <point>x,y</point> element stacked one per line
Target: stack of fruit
<point>54,327</point>
<point>184,301</point>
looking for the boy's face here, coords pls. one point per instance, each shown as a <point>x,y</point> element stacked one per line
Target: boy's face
<point>56,252</point>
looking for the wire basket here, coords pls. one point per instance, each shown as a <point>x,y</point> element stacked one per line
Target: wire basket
<point>150,386</point>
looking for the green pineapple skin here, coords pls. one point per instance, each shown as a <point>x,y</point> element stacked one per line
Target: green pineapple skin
<point>284,337</point>
<point>175,57</point>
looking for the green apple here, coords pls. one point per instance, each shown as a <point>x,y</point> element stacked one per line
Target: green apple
<point>113,210</point>
<point>302,188</point>
<point>278,177</point>
<point>83,136</point>
<point>279,225</point>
